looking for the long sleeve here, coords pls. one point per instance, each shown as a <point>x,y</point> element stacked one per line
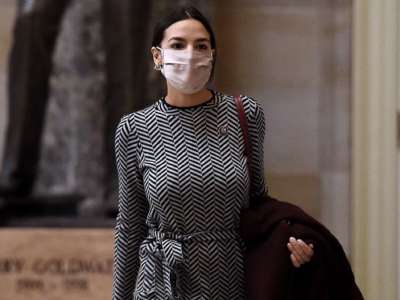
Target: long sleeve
<point>130,226</point>
<point>256,124</point>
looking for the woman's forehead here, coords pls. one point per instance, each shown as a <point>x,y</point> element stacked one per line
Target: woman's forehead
<point>186,29</point>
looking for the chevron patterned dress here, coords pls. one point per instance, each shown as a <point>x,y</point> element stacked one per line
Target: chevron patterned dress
<point>182,182</point>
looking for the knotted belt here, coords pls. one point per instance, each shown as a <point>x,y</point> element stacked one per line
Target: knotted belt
<point>168,252</point>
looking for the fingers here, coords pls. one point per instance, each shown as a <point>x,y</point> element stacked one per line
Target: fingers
<point>295,261</point>
<point>307,250</point>
<point>300,252</point>
<point>295,258</point>
<point>296,247</point>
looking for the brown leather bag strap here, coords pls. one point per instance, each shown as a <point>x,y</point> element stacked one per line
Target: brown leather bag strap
<point>245,130</point>
<point>243,124</point>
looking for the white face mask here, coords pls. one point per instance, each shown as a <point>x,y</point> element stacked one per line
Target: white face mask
<point>187,71</point>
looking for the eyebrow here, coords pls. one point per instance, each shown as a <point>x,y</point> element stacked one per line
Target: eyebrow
<point>182,39</point>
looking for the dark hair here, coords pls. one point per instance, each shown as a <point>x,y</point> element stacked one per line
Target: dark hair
<point>183,13</point>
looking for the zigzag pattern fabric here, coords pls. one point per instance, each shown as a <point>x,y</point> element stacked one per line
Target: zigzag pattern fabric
<point>183,180</point>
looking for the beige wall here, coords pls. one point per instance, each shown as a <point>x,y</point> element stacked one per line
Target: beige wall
<point>257,46</point>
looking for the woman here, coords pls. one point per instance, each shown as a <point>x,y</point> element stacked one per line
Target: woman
<point>183,177</point>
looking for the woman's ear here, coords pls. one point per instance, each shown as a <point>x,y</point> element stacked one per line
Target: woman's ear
<point>156,56</point>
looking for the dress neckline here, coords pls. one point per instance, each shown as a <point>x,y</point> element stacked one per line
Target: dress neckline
<point>164,106</point>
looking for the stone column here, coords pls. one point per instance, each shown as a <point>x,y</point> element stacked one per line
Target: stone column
<point>375,98</point>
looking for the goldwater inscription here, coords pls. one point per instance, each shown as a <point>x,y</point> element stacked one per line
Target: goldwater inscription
<point>56,264</point>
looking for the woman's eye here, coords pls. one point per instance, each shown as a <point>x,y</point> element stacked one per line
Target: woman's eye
<point>177,46</point>
<point>202,47</point>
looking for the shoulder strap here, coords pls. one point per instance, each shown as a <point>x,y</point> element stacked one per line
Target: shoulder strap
<point>243,124</point>
<point>245,129</point>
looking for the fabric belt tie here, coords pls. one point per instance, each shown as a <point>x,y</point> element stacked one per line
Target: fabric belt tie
<point>169,248</point>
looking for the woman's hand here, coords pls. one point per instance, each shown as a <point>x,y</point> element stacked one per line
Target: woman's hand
<point>300,251</point>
